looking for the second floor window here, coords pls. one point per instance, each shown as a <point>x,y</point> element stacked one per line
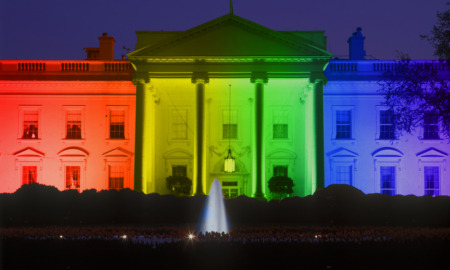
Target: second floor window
<point>280,124</point>
<point>73,125</point>
<point>343,124</point>
<point>179,124</point>
<point>387,127</point>
<point>431,127</point>
<point>230,126</point>
<point>117,125</point>
<point>31,125</point>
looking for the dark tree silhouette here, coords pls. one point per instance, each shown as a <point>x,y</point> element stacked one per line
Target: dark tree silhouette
<point>418,92</point>
<point>179,185</point>
<point>440,35</point>
<point>281,186</point>
<point>419,95</point>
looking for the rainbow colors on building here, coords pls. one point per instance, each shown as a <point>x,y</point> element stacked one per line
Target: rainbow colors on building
<point>184,99</point>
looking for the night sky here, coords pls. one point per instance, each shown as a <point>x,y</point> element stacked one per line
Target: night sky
<point>60,29</point>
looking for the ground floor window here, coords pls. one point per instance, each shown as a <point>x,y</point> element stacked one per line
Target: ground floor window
<point>179,170</point>
<point>343,175</point>
<point>29,175</point>
<point>230,189</point>
<point>116,177</point>
<point>73,177</point>
<point>280,171</point>
<point>431,180</point>
<point>387,175</point>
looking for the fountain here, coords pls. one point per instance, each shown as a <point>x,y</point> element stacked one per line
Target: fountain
<point>214,218</point>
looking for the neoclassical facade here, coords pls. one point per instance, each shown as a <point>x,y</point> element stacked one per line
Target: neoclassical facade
<point>68,124</point>
<point>363,149</point>
<point>229,84</point>
<point>184,100</point>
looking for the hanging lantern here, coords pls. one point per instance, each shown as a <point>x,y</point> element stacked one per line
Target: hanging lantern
<point>229,163</point>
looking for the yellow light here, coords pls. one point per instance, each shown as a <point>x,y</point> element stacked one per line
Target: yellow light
<point>191,236</point>
<point>229,163</point>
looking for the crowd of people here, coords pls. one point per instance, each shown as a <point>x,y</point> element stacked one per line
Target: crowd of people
<point>159,236</point>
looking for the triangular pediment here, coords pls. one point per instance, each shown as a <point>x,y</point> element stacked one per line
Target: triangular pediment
<point>387,152</point>
<point>118,152</point>
<point>28,152</point>
<point>341,153</point>
<point>73,152</point>
<point>432,152</point>
<point>229,35</point>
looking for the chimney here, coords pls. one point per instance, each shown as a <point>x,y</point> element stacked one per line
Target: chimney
<point>106,47</point>
<point>356,45</point>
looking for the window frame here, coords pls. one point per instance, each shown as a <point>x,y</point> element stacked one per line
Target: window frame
<point>172,122</point>
<point>22,111</point>
<point>225,110</point>
<point>352,110</point>
<point>378,110</point>
<point>434,166</point>
<point>437,126</point>
<point>74,108</point>
<point>276,122</point>
<point>394,170</point>
<point>116,108</point>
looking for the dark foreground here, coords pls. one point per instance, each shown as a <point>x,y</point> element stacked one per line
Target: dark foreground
<point>279,247</point>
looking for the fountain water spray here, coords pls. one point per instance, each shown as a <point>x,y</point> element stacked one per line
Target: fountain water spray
<point>214,218</point>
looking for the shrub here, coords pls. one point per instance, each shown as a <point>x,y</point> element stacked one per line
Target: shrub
<point>281,186</point>
<point>179,185</point>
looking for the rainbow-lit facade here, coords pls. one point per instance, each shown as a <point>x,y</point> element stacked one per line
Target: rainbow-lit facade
<point>185,98</point>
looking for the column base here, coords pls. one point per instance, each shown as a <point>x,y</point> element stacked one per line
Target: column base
<point>259,196</point>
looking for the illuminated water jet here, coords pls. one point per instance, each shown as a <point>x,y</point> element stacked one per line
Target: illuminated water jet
<point>214,218</point>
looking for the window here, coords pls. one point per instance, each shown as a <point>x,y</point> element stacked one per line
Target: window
<point>387,128</point>
<point>230,189</point>
<point>179,170</point>
<point>116,177</point>
<point>280,171</point>
<point>431,180</point>
<point>431,127</point>
<point>280,124</point>
<point>387,175</point>
<point>29,175</point>
<point>343,175</point>
<point>343,124</point>
<point>230,125</point>
<point>72,175</point>
<point>31,125</point>
<point>117,125</point>
<point>179,124</point>
<point>73,125</point>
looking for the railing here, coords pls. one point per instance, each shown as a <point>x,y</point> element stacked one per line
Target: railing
<point>380,66</point>
<point>75,66</point>
<point>123,66</point>
<point>31,66</point>
<point>344,66</point>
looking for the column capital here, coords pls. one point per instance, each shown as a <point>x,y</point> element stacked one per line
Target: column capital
<point>200,77</point>
<point>141,77</point>
<point>318,78</point>
<point>259,76</point>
